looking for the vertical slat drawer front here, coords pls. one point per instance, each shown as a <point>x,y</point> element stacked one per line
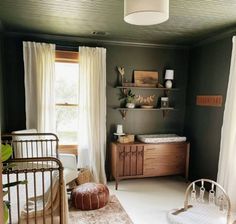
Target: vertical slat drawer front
<point>133,160</point>
<point>127,160</point>
<point>140,155</point>
<point>121,155</point>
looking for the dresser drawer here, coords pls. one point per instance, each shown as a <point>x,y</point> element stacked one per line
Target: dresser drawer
<point>163,170</point>
<point>163,159</point>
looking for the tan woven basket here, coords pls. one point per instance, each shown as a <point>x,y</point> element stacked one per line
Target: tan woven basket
<point>84,176</point>
<point>126,139</point>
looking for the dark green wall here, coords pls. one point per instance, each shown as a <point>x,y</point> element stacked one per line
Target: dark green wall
<point>2,119</point>
<point>143,58</point>
<point>140,58</point>
<point>14,94</point>
<point>14,85</point>
<point>132,58</point>
<point>209,71</point>
<point>208,74</point>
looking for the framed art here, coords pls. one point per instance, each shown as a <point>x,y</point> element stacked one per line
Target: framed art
<point>146,78</point>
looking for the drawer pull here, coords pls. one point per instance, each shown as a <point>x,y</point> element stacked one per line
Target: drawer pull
<point>121,155</point>
<point>127,154</point>
<point>140,153</point>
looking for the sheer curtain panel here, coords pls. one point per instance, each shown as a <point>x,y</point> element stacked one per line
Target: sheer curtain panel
<point>227,161</point>
<point>92,111</point>
<point>39,67</point>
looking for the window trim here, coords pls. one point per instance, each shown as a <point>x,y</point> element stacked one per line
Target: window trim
<point>67,57</point>
<point>69,149</point>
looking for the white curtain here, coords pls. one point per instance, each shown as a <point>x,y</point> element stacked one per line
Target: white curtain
<point>227,161</point>
<point>39,66</point>
<point>92,111</point>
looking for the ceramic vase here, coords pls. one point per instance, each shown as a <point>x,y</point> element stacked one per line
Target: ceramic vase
<point>168,84</point>
<point>130,105</point>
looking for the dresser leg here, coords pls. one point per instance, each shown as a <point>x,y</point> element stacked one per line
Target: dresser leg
<point>116,184</point>
<point>186,178</point>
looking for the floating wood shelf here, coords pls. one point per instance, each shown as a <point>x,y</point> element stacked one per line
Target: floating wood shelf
<point>124,111</point>
<point>166,90</point>
<point>150,88</point>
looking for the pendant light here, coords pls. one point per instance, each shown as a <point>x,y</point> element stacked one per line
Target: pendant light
<point>146,12</point>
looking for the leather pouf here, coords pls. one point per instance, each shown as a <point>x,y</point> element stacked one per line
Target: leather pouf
<point>90,196</point>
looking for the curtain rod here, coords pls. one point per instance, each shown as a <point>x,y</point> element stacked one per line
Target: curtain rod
<point>66,47</point>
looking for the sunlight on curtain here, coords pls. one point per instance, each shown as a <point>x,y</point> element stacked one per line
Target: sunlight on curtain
<point>92,111</point>
<point>227,162</point>
<point>39,66</point>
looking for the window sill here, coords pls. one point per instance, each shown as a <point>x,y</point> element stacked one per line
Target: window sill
<point>69,149</point>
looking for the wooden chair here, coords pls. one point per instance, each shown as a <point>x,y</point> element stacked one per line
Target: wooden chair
<point>202,206</point>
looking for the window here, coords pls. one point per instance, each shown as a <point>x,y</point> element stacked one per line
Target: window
<point>67,84</point>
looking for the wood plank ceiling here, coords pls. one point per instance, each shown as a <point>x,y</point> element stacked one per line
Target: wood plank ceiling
<point>190,20</point>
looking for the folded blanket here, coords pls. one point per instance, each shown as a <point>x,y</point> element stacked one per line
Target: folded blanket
<point>41,207</point>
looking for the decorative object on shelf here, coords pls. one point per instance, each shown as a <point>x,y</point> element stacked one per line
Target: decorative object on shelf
<point>121,71</point>
<point>159,85</point>
<point>147,106</point>
<point>128,97</point>
<point>124,111</point>
<point>169,76</point>
<point>148,12</point>
<point>146,101</point>
<point>164,102</point>
<point>130,105</point>
<point>146,78</point>
<point>119,130</point>
<point>126,139</point>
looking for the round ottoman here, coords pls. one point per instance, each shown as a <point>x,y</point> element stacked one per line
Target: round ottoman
<point>90,196</point>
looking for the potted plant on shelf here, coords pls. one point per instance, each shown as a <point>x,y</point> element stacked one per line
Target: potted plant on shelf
<point>128,98</point>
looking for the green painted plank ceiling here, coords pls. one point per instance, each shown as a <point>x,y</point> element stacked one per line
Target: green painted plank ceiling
<point>190,20</point>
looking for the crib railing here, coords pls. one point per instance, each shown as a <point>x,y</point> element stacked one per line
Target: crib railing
<point>32,145</point>
<point>39,200</point>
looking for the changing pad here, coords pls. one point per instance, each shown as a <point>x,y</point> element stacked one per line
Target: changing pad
<point>161,138</point>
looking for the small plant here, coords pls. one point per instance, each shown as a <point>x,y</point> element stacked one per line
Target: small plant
<point>127,96</point>
<point>6,152</point>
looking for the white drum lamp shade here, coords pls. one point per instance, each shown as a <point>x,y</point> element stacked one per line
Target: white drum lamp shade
<point>146,12</point>
<point>169,75</point>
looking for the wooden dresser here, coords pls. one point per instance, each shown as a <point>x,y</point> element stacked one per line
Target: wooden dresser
<point>138,160</point>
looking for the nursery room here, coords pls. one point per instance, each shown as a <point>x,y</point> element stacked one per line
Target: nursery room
<point>119,111</point>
